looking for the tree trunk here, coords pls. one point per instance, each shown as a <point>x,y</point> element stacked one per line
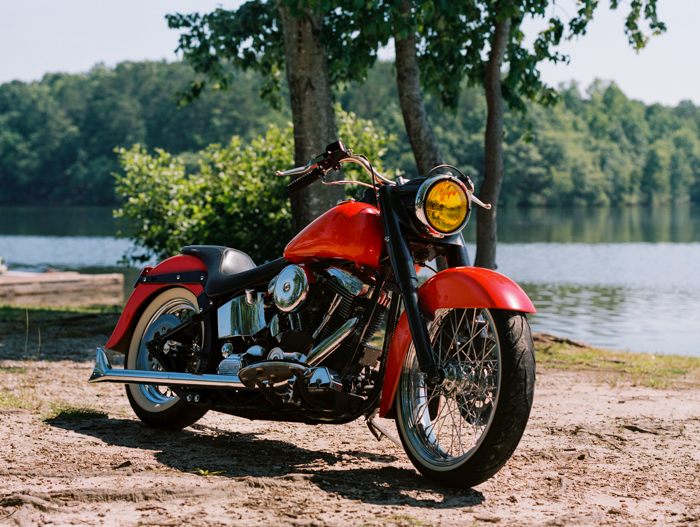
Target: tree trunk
<point>313,116</point>
<point>418,129</point>
<point>486,235</point>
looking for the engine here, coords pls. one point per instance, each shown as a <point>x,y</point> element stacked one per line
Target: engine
<point>307,318</point>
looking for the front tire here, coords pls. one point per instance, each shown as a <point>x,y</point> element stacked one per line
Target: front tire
<point>158,406</point>
<point>461,431</point>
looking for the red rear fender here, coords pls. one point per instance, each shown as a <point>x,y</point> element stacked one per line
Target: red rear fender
<point>452,288</point>
<point>142,295</point>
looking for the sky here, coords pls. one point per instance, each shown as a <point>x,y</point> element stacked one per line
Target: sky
<point>47,36</point>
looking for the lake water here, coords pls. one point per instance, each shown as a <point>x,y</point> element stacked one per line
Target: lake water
<point>625,279</point>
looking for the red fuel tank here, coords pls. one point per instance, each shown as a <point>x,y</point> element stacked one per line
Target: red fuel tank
<point>351,231</point>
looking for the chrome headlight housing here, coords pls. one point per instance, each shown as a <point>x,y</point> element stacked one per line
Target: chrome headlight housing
<point>443,205</point>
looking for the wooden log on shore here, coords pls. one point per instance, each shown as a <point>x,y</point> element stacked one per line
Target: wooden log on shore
<point>61,289</point>
<point>548,339</point>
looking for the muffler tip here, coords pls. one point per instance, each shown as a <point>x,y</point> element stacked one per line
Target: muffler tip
<point>102,366</point>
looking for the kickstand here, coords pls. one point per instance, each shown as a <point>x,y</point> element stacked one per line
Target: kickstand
<point>379,431</point>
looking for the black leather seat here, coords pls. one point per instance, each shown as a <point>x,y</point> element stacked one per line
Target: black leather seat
<point>230,270</point>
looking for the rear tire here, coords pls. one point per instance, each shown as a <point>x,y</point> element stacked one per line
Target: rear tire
<point>158,406</point>
<point>463,430</point>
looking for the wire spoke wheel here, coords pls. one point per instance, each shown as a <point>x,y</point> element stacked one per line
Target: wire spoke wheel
<point>446,427</point>
<point>446,422</point>
<point>159,406</point>
<point>170,315</point>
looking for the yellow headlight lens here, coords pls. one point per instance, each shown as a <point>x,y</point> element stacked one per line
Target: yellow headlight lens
<point>446,206</point>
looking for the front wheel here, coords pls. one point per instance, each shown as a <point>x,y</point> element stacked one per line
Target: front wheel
<point>461,431</point>
<point>158,406</point>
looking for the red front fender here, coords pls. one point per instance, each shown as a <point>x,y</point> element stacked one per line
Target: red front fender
<point>144,292</point>
<point>452,288</point>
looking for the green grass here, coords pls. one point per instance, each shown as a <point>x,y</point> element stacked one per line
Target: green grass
<point>24,396</point>
<point>641,369</point>
<point>9,400</point>
<point>66,412</point>
<point>12,369</point>
<point>71,322</point>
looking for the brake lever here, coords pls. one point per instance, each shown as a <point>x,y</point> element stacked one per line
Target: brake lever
<point>476,200</point>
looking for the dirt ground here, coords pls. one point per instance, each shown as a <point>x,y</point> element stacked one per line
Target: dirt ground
<point>596,452</point>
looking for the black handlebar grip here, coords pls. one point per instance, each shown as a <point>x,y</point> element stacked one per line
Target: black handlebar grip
<point>304,181</point>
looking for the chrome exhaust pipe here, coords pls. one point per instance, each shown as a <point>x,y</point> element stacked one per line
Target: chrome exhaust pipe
<point>103,372</point>
<point>331,343</point>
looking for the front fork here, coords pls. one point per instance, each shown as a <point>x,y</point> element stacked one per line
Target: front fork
<point>405,272</point>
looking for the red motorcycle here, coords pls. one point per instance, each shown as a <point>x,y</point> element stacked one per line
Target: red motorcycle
<point>338,328</point>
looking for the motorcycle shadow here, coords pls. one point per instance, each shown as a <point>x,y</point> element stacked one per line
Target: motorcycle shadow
<point>244,455</point>
<point>394,486</point>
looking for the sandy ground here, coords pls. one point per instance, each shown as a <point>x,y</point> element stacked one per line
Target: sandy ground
<point>595,453</point>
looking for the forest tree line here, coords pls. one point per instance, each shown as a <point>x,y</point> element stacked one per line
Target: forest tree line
<point>58,136</point>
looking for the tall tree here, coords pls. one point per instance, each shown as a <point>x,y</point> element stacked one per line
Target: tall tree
<point>306,63</point>
<point>486,234</point>
<point>442,43</point>
<point>345,35</point>
<point>357,44</point>
<point>269,37</point>
<point>418,128</point>
<point>461,52</point>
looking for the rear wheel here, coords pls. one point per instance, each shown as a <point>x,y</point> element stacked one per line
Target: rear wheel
<point>461,431</point>
<point>158,406</point>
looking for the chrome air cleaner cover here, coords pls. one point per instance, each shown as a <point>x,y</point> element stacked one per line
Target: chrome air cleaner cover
<point>291,288</point>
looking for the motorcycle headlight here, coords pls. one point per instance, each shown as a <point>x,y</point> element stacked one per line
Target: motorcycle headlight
<point>443,205</point>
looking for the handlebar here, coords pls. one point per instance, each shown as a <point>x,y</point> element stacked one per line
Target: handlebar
<point>335,155</point>
<point>298,171</point>
<point>308,176</point>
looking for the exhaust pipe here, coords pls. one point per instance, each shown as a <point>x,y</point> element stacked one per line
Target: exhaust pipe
<point>331,343</point>
<point>104,372</point>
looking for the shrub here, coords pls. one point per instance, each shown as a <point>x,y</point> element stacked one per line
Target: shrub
<point>233,200</point>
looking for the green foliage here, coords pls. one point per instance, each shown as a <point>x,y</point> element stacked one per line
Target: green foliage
<point>364,138</point>
<point>218,43</point>
<point>234,199</point>
<point>231,200</point>
<point>455,38</point>
<point>57,136</point>
<point>54,145</point>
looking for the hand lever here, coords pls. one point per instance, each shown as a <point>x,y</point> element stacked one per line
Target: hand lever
<point>476,200</point>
